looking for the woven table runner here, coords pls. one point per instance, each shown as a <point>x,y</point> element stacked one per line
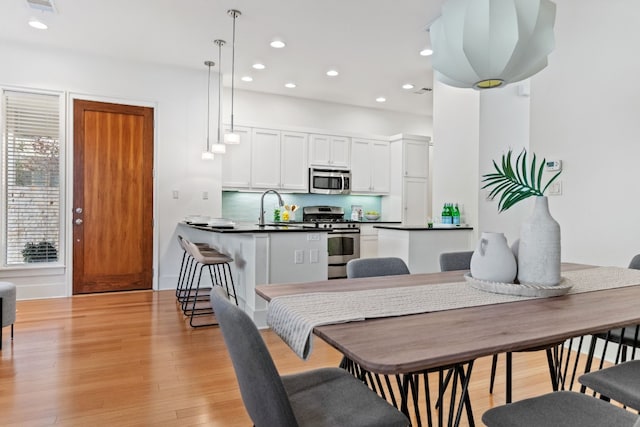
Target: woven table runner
<point>293,317</point>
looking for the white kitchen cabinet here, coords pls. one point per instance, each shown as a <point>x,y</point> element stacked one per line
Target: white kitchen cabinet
<point>236,170</point>
<point>409,170</point>
<point>294,170</point>
<point>265,158</point>
<point>416,158</point>
<point>329,151</point>
<point>414,197</point>
<point>368,241</point>
<point>369,166</point>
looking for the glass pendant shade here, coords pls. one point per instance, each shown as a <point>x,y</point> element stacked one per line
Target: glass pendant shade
<point>484,44</point>
<point>218,148</point>
<point>231,138</point>
<point>207,155</point>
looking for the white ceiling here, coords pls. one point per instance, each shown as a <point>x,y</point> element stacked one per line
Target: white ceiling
<point>374,44</point>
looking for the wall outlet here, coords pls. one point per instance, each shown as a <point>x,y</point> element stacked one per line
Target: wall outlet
<point>205,195</point>
<point>555,189</point>
<point>175,194</point>
<point>298,256</point>
<point>311,237</point>
<point>314,256</point>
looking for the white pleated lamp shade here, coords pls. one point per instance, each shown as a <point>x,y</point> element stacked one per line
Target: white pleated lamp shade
<point>483,44</point>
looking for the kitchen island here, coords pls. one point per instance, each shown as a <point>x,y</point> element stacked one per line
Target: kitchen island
<point>264,255</point>
<point>419,246</point>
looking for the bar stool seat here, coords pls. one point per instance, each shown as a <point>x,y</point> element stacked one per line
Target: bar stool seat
<point>7,307</point>
<point>220,273</point>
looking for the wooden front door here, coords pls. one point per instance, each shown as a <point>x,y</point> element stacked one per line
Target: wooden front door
<point>112,197</point>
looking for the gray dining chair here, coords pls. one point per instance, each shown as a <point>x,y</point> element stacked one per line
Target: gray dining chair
<point>627,339</point>
<point>372,267</point>
<point>619,382</point>
<point>560,408</point>
<point>451,261</point>
<point>322,397</point>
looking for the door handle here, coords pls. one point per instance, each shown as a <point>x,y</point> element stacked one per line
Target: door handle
<point>78,221</point>
<point>79,210</point>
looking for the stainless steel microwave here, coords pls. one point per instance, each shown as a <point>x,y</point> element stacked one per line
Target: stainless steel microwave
<point>329,181</point>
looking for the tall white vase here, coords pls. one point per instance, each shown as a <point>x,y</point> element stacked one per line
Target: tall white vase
<point>493,260</point>
<point>539,249</point>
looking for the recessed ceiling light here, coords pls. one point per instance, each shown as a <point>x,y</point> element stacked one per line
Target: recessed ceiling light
<point>278,44</point>
<point>381,99</point>
<point>407,86</point>
<point>259,66</point>
<point>426,52</point>
<point>33,22</point>
<point>247,79</point>
<point>332,73</point>
<point>290,85</point>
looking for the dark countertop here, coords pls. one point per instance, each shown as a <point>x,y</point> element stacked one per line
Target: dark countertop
<point>422,228</point>
<point>254,228</point>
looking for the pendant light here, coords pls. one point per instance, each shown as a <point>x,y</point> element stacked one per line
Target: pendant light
<point>208,155</point>
<point>483,44</point>
<point>219,147</point>
<point>232,137</point>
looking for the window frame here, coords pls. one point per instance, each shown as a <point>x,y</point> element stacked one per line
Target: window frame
<point>62,184</point>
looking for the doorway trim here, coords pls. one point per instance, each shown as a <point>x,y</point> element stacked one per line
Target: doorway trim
<point>69,178</point>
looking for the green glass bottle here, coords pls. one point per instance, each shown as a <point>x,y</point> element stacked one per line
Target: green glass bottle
<point>455,215</point>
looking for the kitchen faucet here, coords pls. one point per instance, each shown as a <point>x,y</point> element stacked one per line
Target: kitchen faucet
<point>280,201</point>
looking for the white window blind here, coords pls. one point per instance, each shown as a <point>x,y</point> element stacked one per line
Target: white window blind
<point>31,145</point>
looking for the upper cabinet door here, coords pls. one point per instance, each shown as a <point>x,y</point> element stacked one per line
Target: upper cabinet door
<point>370,166</point>
<point>236,163</point>
<point>380,167</point>
<point>265,158</point>
<point>329,151</point>
<point>340,152</point>
<point>294,169</point>
<point>416,159</point>
<point>361,166</point>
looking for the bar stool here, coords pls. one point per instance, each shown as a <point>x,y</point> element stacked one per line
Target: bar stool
<point>186,267</point>
<point>7,307</point>
<point>220,274</point>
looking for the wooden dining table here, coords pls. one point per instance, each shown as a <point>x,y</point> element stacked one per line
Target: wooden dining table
<point>405,345</point>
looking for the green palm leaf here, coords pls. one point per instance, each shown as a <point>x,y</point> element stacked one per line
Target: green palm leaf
<point>515,183</point>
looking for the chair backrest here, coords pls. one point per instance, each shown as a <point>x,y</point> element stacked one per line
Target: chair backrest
<point>262,390</point>
<point>635,262</point>
<point>372,267</point>
<point>450,261</point>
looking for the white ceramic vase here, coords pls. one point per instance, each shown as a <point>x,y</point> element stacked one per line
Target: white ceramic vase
<point>493,260</point>
<point>539,249</point>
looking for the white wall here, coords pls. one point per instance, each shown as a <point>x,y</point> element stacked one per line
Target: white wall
<point>455,150</point>
<point>504,124</point>
<point>263,109</point>
<point>179,98</point>
<point>585,110</point>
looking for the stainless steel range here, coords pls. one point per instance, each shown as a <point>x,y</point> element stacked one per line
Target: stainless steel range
<point>343,241</point>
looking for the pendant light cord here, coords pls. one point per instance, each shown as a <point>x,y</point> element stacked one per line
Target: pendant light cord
<point>233,65</point>
<point>208,104</point>
<point>219,43</point>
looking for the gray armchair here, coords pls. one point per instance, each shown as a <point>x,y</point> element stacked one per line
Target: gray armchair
<point>323,397</point>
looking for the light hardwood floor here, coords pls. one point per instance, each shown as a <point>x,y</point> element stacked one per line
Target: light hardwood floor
<point>130,359</point>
